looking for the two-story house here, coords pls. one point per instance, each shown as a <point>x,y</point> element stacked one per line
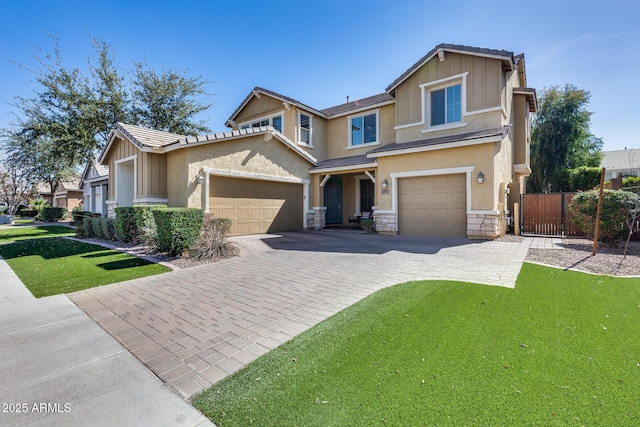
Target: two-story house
<point>444,151</point>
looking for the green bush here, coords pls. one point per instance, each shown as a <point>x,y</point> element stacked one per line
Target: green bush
<point>144,220</point>
<point>96,227</point>
<point>80,231</point>
<point>178,228</point>
<point>125,226</point>
<point>88,229</point>
<point>631,181</point>
<point>613,228</point>
<point>31,213</point>
<point>583,178</point>
<point>108,228</point>
<point>79,215</point>
<point>53,213</point>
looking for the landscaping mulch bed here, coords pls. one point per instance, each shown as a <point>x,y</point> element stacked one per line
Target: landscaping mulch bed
<point>577,254</point>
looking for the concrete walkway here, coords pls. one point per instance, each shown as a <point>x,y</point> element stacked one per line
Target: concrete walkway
<point>195,326</point>
<point>58,367</point>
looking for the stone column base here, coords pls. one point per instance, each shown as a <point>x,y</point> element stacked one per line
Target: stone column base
<point>385,222</point>
<point>483,225</point>
<point>316,219</point>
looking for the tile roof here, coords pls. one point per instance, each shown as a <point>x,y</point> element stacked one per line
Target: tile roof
<point>344,161</point>
<point>507,55</point>
<point>274,95</point>
<point>357,104</point>
<point>500,131</point>
<point>145,137</point>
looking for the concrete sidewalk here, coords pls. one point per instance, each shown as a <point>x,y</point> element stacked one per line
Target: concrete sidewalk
<point>58,367</point>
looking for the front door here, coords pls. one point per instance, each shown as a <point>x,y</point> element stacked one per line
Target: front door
<point>333,200</point>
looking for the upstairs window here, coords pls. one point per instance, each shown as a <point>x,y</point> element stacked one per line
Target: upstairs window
<point>446,106</point>
<point>275,121</point>
<point>304,128</point>
<point>363,129</point>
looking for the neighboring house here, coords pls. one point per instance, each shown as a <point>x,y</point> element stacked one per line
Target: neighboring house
<point>43,191</point>
<point>444,151</point>
<point>621,163</point>
<point>68,195</point>
<point>94,185</point>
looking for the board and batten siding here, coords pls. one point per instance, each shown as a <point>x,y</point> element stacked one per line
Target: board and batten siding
<point>119,150</point>
<point>485,84</point>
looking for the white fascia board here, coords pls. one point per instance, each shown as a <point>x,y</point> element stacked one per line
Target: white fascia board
<point>456,144</point>
<point>345,168</point>
<point>360,110</point>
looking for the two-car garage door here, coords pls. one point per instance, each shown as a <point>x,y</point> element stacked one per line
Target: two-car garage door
<point>433,205</point>
<point>257,206</point>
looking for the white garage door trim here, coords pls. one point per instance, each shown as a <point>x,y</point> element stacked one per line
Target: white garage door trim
<point>207,172</point>
<point>467,170</point>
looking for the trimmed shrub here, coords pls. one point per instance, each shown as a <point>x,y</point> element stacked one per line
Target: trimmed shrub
<point>88,229</point>
<point>144,220</point>
<point>212,243</point>
<point>631,181</point>
<point>80,231</point>
<point>108,228</point>
<point>31,213</point>
<point>613,227</point>
<point>79,215</point>
<point>96,227</point>
<point>178,228</point>
<point>53,213</point>
<point>125,226</point>
<point>583,178</point>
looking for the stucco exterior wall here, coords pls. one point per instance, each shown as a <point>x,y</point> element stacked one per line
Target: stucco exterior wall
<point>249,155</point>
<point>338,133</point>
<point>480,157</point>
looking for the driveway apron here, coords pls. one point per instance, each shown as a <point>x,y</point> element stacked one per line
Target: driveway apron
<point>195,326</point>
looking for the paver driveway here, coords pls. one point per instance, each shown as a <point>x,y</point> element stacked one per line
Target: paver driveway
<point>195,326</point>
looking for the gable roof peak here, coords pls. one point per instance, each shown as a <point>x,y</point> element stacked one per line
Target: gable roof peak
<point>506,56</point>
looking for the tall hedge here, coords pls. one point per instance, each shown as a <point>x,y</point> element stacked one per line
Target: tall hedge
<point>583,178</point>
<point>178,228</point>
<point>144,219</point>
<point>615,204</point>
<point>125,226</point>
<point>53,213</point>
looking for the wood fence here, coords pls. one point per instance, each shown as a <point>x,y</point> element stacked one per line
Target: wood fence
<point>548,215</point>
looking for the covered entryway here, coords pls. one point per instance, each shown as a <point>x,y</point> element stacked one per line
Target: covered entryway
<point>433,205</point>
<point>257,206</point>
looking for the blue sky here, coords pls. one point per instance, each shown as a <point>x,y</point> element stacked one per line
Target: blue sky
<point>320,52</point>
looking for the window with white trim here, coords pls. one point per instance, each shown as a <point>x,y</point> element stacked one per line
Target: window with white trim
<point>304,129</point>
<point>275,121</point>
<point>444,103</point>
<point>363,129</point>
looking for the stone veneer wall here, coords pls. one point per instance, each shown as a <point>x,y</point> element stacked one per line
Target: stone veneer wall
<point>483,225</point>
<point>385,222</point>
<point>316,219</point>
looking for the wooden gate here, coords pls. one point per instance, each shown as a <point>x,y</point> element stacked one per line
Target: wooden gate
<point>548,215</point>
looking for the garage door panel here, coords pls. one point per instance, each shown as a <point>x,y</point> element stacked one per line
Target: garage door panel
<point>433,205</point>
<point>256,206</point>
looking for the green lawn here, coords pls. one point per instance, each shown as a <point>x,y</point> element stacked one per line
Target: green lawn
<point>15,233</point>
<point>57,265</point>
<point>561,348</point>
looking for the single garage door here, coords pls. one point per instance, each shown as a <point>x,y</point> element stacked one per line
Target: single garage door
<point>433,206</point>
<point>257,206</point>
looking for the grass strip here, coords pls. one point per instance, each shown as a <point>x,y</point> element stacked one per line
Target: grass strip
<point>559,349</point>
<point>57,265</point>
<point>17,233</point>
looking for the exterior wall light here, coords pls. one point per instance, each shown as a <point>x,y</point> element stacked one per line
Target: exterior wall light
<point>385,183</point>
<point>199,179</point>
<point>480,178</point>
